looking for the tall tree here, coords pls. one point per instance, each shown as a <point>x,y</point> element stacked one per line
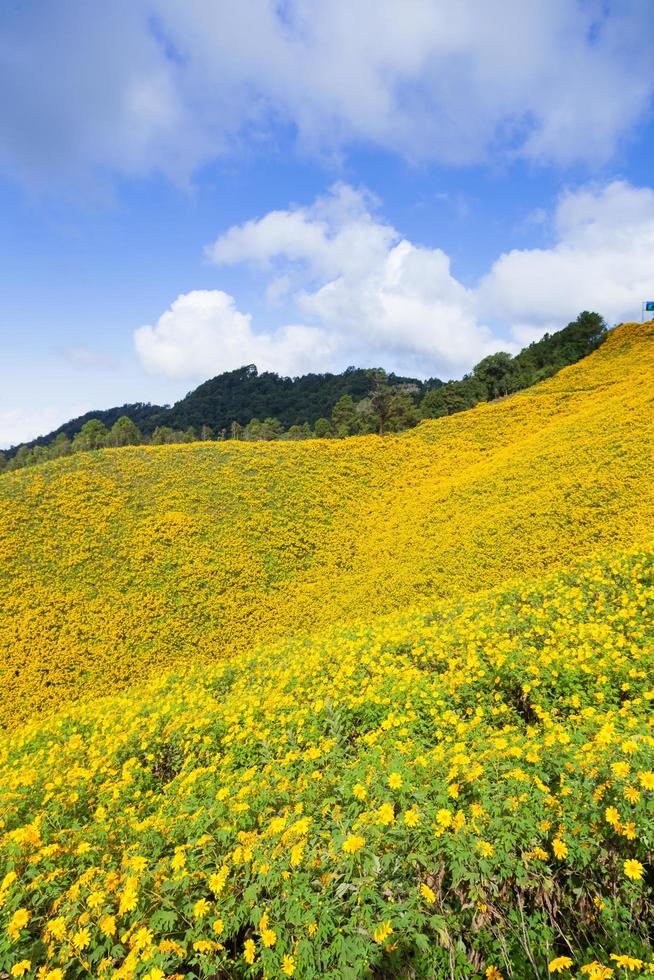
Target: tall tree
<point>344,417</point>
<point>60,446</point>
<point>381,401</point>
<point>92,435</point>
<point>323,428</point>
<point>123,433</point>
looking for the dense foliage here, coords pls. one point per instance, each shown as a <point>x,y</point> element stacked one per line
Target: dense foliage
<point>357,402</point>
<point>375,708</point>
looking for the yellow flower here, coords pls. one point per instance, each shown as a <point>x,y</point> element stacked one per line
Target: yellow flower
<point>107,925</point>
<point>56,927</point>
<point>386,815</point>
<point>142,938</point>
<point>382,932</point>
<point>427,893</point>
<point>633,869</point>
<point>612,816</point>
<point>359,791</point>
<point>218,880</point>
<point>288,965</point>
<point>18,921</point>
<point>559,964</point>
<point>560,848</point>
<point>155,974</point>
<point>492,973</point>
<point>411,818</point>
<point>81,939</point>
<point>218,926</point>
<point>627,962</point>
<point>485,849</point>
<point>395,780</point>
<point>444,818</point>
<point>596,971</point>
<point>20,968</point>
<point>353,843</point>
<point>201,908</point>
<point>128,898</point>
<point>249,951</point>
<point>646,780</point>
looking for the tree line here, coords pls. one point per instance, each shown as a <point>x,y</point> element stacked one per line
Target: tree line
<point>390,404</point>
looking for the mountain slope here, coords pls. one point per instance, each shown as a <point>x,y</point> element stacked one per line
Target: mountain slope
<point>462,791</point>
<point>118,564</point>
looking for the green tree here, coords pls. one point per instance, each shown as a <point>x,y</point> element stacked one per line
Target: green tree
<point>92,435</point>
<point>163,435</point>
<point>344,417</point>
<point>123,433</point>
<point>206,433</point>
<point>323,429</point>
<point>20,459</point>
<point>38,454</point>
<point>497,373</point>
<point>235,431</point>
<point>253,431</point>
<point>403,413</point>
<point>381,401</point>
<point>271,429</point>
<point>60,446</point>
<point>433,405</point>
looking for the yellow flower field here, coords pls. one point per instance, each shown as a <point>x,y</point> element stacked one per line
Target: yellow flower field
<point>361,708</point>
<point>113,565</point>
<point>455,787</point>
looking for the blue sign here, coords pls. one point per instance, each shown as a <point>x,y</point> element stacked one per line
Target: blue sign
<point>649,306</point>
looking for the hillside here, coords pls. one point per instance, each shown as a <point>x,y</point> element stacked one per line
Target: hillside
<point>120,563</point>
<point>460,791</point>
<point>371,708</point>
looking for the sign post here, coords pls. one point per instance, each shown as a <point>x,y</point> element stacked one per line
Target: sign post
<point>648,307</point>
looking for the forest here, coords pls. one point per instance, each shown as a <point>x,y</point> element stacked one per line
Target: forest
<point>246,405</point>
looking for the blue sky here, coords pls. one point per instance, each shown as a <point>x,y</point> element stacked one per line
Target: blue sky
<point>185,188</point>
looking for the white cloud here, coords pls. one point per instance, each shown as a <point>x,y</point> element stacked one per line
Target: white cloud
<point>367,295</point>
<point>358,292</point>
<point>139,86</point>
<point>380,297</point>
<point>601,260</point>
<point>203,334</point>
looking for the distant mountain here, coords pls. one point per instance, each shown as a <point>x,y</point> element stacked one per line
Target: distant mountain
<point>244,395</point>
<point>240,395</point>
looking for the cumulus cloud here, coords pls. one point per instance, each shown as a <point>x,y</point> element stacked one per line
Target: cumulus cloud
<point>203,334</point>
<point>359,292</point>
<point>362,294</point>
<point>139,86</point>
<point>601,260</point>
